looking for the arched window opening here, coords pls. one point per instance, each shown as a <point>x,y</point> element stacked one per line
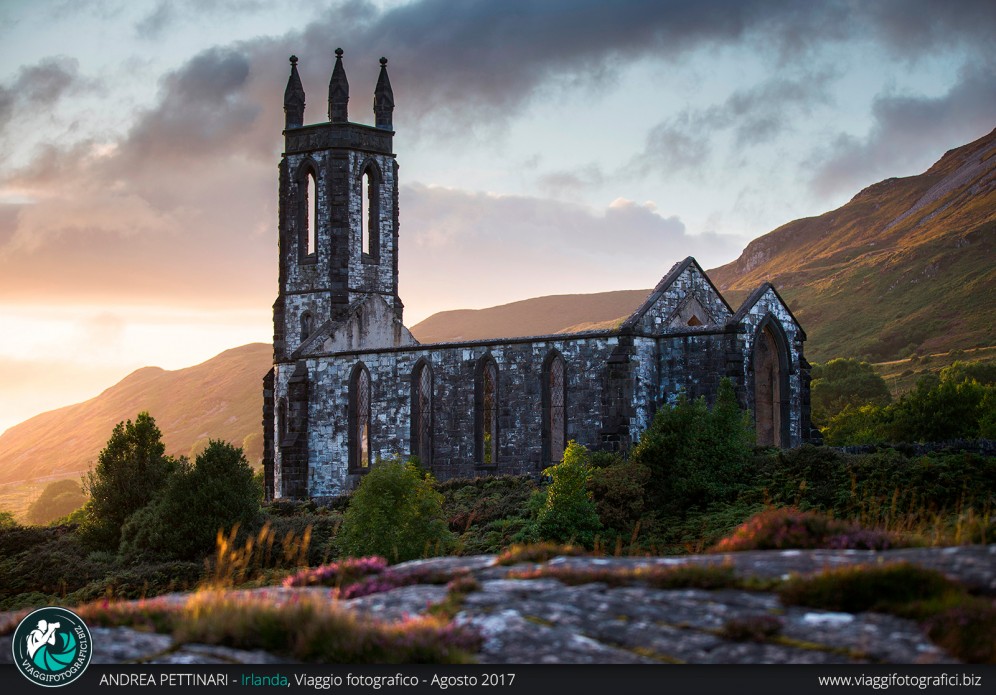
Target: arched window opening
<point>370,213</point>
<point>311,214</point>
<point>770,386</point>
<point>422,413</point>
<point>359,418</point>
<point>486,402</point>
<point>554,402</point>
<point>365,212</point>
<point>307,325</point>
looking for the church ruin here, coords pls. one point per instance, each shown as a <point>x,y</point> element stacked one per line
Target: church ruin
<point>350,384</point>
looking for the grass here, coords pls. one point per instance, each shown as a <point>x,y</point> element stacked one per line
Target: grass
<point>963,624</point>
<point>688,576</point>
<point>305,628</point>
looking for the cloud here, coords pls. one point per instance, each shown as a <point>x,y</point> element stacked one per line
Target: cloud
<point>488,249</point>
<point>157,21</point>
<point>38,87</point>
<point>754,116</point>
<point>901,126</point>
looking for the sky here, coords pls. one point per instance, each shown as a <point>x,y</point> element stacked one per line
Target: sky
<point>551,147</point>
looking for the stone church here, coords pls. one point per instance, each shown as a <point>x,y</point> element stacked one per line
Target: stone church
<point>351,385</point>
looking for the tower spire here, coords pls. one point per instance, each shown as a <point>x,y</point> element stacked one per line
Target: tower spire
<point>338,91</point>
<point>383,99</point>
<point>294,98</point>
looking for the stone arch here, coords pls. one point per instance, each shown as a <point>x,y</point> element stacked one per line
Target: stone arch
<point>486,403</point>
<point>771,366</point>
<point>554,390</point>
<point>359,418</point>
<point>422,412</point>
<point>371,178</point>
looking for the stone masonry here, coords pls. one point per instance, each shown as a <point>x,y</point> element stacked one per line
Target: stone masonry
<point>350,384</point>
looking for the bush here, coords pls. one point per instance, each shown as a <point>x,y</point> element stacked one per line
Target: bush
<point>131,470</point>
<point>842,383</point>
<point>569,513</point>
<point>696,455</point>
<point>57,500</point>
<point>217,493</point>
<point>395,513</point>
<point>777,529</point>
<point>618,492</point>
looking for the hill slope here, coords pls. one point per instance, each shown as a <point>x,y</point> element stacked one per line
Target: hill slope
<point>221,399</point>
<point>906,264</point>
<point>561,313</point>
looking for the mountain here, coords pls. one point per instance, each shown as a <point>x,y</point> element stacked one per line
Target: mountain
<point>561,313</point>
<point>906,265</point>
<point>218,399</point>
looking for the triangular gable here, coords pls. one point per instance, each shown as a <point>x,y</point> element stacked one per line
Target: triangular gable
<point>370,323</point>
<point>756,296</point>
<point>673,297</point>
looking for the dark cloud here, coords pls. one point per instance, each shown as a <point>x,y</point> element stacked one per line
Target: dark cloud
<point>157,21</point>
<point>202,107</point>
<point>40,86</point>
<point>916,28</point>
<point>902,124</point>
<point>754,116</point>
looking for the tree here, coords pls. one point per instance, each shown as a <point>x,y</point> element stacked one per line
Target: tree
<point>569,513</point>
<point>395,513</point>
<point>840,383</point>
<point>131,470</point>
<point>57,500</point>
<point>697,456</point>
<point>216,493</point>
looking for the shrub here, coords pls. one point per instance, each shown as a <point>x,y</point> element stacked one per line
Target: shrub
<point>842,383</point>
<point>968,631</point>
<point>216,494</point>
<point>777,529</point>
<point>7,520</point>
<point>537,552</point>
<point>618,492</point>
<point>395,513</point>
<point>131,470</point>
<point>886,588</point>
<point>569,514</point>
<point>57,500</point>
<point>338,573</point>
<point>696,455</point>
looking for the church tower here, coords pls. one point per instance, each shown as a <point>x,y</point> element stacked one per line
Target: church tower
<point>338,212</point>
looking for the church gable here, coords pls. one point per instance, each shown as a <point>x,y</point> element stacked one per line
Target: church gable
<point>369,324</point>
<point>685,298</point>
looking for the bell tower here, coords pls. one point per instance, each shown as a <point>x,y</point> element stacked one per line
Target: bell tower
<point>338,211</point>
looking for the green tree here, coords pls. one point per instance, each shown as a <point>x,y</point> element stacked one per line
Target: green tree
<point>569,513</point>
<point>697,456</point>
<point>216,493</point>
<point>7,520</point>
<point>843,383</point>
<point>395,513</point>
<point>131,470</point>
<point>57,500</point>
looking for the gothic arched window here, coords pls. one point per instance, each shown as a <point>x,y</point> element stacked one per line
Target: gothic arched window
<point>307,211</point>
<point>486,411</point>
<point>359,418</point>
<point>370,212</point>
<point>421,444</point>
<point>554,407</point>
<point>307,325</point>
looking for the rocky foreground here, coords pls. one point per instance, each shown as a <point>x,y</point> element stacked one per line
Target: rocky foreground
<point>545,621</point>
